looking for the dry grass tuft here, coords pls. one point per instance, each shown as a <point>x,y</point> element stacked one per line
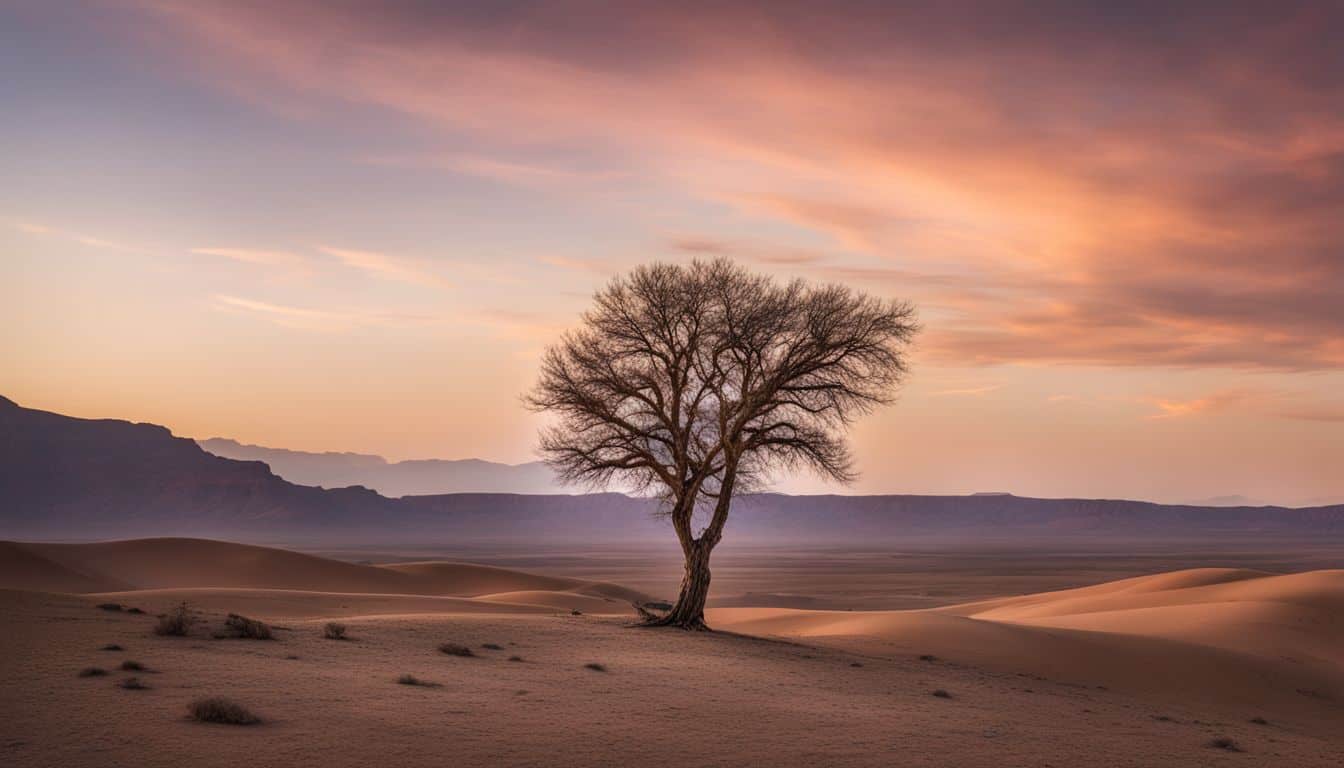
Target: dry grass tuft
<point>92,672</point>
<point>334,631</point>
<point>413,680</point>
<point>220,710</point>
<point>110,606</point>
<point>453,649</point>
<point>133,684</point>
<point>940,693</point>
<point>515,658</point>
<point>593,665</point>
<point>111,647</point>
<point>492,646</point>
<point>132,666</point>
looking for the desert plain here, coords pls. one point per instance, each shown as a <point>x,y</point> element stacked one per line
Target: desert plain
<point>928,657</point>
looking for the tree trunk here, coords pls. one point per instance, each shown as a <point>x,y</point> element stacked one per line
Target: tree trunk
<point>689,611</point>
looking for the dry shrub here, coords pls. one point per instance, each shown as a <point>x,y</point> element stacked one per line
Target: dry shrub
<point>132,666</point>
<point>593,665</point>
<point>453,649</point>
<point>244,628</point>
<point>133,684</point>
<point>940,693</point>
<point>334,631</point>
<point>111,647</point>
<point>492,646</point>
<point>176,622</point>
<point>110,606</point>
<point>220,710</point>
<point>1225,744</point>
<point>92,672</point>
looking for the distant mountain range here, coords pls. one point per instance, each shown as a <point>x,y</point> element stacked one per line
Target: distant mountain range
<point>69,478</point>
<point>420,477</point>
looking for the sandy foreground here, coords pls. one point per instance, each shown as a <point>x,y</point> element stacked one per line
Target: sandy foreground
<point>1143,672</point>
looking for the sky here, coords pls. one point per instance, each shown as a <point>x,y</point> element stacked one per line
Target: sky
<point>355,226</point>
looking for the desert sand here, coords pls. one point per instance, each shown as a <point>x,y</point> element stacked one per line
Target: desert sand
<point>1142,671</point>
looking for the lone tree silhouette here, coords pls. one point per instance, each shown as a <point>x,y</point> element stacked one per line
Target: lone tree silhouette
<point>694,382</point>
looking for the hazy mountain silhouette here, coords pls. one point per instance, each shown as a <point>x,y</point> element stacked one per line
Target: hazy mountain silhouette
<point>70,478</point>
<point>419,477</point>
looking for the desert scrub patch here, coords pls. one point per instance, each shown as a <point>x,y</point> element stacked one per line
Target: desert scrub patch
<point>217,709</point>
<point>1224,743</point>
<point>241,627</point>
<point>176,622</point>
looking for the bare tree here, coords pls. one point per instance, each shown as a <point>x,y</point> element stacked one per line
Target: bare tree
<point>695,382</point>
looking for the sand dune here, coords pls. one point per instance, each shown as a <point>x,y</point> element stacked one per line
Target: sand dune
<point>183,564</point>
<point>1221,637</point>
<point>1071,677</point>
<point>21,567</point>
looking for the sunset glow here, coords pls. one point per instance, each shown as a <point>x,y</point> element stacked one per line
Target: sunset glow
<point>330,226</point>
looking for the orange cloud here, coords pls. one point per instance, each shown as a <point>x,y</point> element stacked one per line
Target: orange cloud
<point>1104,213</point>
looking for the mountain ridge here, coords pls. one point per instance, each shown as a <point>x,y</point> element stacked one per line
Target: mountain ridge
<point>64,477</point>
<point>412,477</point>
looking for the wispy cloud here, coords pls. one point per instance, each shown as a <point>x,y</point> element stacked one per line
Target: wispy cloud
<point>318,319</point>
<point>761,253</point>
<point>271,258</point>
<point>967,391</point>
<point>101,243</point>
<point>1218,401</point>
<point>531,175</point>
<point>387,267</point>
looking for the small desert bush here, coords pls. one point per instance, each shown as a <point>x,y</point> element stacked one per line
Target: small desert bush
<point>334,631</point>
<point>176,622</point>
<point>132,666</point>
<point>1225,744</point>
<point>1259,721</point>
<point>134,610</point>
<point>927,657</point>
<point>92,672</point>
<point>413,680</point>
<point>515,658</point>
<point>221,710</point>
<point>576,612</point>
<point>110,606</point>
<point>111,647</point>
<point>453,649</point>
<point>133,684</point>
<point>244,628</point>
<point>593,665</point>
<point>940,693</point>
<point>492,646</point>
